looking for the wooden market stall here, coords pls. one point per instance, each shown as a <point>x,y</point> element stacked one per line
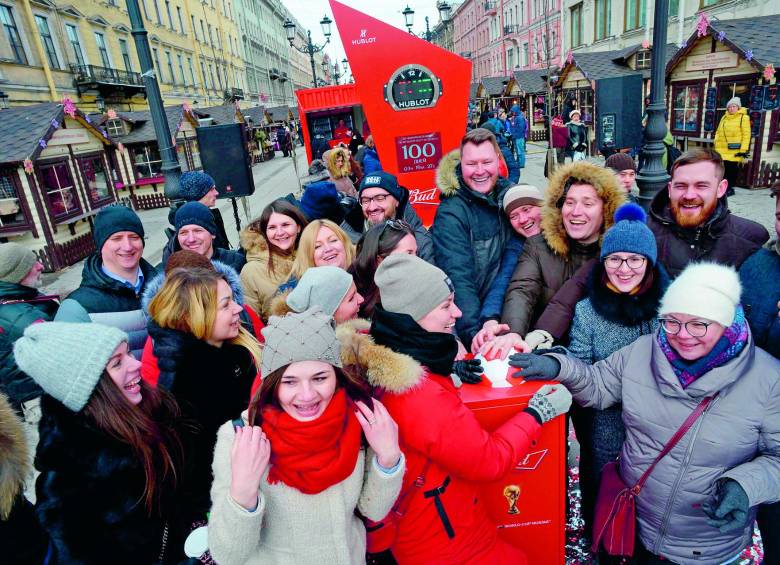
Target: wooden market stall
<point>529,89</point>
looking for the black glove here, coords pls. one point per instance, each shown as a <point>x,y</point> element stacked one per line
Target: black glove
<point>535,367</point>
<point>469,371</point>
<point>729,510</point>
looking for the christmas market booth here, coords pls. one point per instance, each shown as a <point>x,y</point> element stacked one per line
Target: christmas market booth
<point>56,171</point>
<point>138,155</point>
<point>491,93</point>
<point>259,133</point>
<point>529,90</point>
<point>721,60</point>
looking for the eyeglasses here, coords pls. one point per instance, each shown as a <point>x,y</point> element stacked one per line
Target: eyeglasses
<point>695,328</point>
<point>379,198</point>
<point>633,262</point>
<point>397,225</point>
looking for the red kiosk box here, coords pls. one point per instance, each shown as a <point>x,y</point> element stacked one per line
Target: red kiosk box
<point>323,107</point>
<point>528,505</point>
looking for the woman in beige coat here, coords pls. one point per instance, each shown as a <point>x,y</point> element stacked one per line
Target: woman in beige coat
<point>290,474</point>
<point>270,243</point>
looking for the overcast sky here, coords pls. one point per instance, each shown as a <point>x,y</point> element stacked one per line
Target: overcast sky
<point>310,12</point>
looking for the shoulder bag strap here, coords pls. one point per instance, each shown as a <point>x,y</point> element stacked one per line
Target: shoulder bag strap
<point>675,440</point>
<point>405,498</point>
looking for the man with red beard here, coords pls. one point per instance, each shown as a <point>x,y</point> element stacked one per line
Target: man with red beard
<point>691,221</point>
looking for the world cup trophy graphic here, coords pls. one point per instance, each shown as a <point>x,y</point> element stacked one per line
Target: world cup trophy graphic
<point>512,494</point>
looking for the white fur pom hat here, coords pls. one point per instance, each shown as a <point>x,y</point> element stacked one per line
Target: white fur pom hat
<point>704,290</point>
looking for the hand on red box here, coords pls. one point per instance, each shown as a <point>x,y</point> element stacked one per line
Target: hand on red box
<point>535,367</point>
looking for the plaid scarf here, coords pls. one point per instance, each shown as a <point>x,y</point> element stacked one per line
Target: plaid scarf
<point>731,343</point>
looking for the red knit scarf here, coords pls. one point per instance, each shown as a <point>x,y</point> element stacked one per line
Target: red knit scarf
<point>312,456</point>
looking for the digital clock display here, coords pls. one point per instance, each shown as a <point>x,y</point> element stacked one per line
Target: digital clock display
<point>412,87</point>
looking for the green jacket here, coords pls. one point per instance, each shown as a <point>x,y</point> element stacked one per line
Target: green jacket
<point>20,306</point>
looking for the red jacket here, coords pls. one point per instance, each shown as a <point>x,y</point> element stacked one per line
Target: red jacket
<point>433,423</point>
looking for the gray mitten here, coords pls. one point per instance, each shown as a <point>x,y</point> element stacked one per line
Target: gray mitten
<point>730,510</point>
<point>549,402</point>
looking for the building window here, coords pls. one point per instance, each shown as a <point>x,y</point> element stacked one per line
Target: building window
<point>211,36</point>
<point>48,43</point>
<point>169,61</point>
<point>192,72</point>
<point>211,74</point>
<point>59,189</point>
<point>525,55</point>
<point>12,208</point>
<point>100,40</point>
<point>115,127</point>
<point>156,56</point>
<point>181,69</point>
<point>705,3</point>
<point>75,43</point>
<point>205,76</point>
<point>643,59</point>
<point>576,25</point>
<point>635,14</point>
<point>96,178</point>
<point>674,8</point>
<point>12,34</point>
<point>686,99</point>
<point>202,32</point>
<point>125,55</point>
<point>146,12</point>
<point>147,161</point>
<point>168,12</point>
<point>181,19</point>
<point>157,12</point>
<point>194,29</point>
<point>603,14</point>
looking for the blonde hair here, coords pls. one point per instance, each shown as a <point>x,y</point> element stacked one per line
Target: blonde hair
<point>187,301</point>
<point>370,141</point>
<point>304,259</point>
<point>345,170</point>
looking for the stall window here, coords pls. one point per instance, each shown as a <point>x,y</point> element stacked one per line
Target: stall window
<point>603,15</point>
<point>635,14</point>
<point>115,127</point>
<point>59,190</point>
<point>728,88</point>
<point>686,108</point>
<point>96,178</point>
<point>12,207</point>
<point>585,99</point>
<point>147,161</point>
<point>643,59</point>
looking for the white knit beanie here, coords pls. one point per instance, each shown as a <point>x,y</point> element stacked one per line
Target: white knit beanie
<point>736,100</point>
<point>705,290</point>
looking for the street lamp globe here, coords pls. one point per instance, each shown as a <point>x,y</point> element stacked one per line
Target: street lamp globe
<point>100,104</point>
<point>289,28</point>
<point>445,11</point>
<point>344,64</point>
<point>325,23</point>
<point>408,17</point>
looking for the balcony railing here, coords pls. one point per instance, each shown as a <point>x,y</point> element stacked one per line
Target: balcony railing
<point>93,74</point>
<point>511,29</point>
<point>490,7</point>
<point>234,94</point>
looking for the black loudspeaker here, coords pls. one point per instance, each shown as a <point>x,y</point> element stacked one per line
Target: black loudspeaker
<point>225,156</point>
<point>619,112</point>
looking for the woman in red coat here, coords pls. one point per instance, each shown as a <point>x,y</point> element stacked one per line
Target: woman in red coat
<point>440,436</point>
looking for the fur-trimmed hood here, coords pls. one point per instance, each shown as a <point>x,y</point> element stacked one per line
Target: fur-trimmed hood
<point>14,459</point>
<point>153,286</point>
<point>254,244</point>
<point>446,175</point>
<point>605,183</point>
<point>382,367</point>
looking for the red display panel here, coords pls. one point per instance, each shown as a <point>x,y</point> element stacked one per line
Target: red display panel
<point>411,91</point>
<point>528,505</point>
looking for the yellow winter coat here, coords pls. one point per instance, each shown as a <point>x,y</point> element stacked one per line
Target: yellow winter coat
<point>733,128</point>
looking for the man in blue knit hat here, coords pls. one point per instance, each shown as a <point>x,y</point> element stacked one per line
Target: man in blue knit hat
<point>197,186</point>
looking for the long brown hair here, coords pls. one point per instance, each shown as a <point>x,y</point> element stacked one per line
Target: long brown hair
<point>260,226</point>
<point>268,393</point>
<point>149,428</point>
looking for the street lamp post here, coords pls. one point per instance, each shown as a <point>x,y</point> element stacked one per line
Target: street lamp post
<point>309,49</point>
<point>170,164</point>
<point>444,14</point>
<point>652,177</point>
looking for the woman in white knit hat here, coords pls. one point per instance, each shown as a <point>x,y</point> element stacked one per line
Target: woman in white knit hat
<point>291,472</point>
<point>109,453</point>
<point>699,503</point>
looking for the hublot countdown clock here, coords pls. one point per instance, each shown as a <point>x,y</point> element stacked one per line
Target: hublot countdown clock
<point>412,87</point>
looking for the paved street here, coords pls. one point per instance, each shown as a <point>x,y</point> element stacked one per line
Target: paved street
<point>276,178</point>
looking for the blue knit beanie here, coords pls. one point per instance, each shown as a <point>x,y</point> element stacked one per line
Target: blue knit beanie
<point>630,234</point>
<point>321,200</point>
<point>195,213</point>
<point>112,219</point>
<point>194,185</point>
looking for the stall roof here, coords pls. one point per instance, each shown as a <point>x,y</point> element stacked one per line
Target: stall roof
<point>473,88</point>
<point>22,128</point>
<point>609,64</point>
<point>143,128</point>
<point>294,112</point>
<point>222,114</point>
<point>279,113</point>
<point>255,113</point>
<point>495,86</point>
<point>754,35</point>
<point>531,81</point>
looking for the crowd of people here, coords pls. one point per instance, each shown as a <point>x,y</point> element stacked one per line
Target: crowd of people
<point>296,400</point>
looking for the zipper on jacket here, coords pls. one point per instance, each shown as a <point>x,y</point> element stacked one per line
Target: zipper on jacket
<point>683,468</point>
<point>164,544</point>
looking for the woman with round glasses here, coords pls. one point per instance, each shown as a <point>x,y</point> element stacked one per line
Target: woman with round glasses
<point>699,503</point>
<point>623,293</point>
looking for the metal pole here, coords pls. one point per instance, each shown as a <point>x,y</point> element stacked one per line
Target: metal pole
<point>652,178</point>
<point>170,164</point>
<point>310,51</point>
<point>427,30</point>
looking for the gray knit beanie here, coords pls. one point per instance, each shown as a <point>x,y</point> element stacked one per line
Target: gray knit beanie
<point>325,287</point>
<point>15,262</point>
<point>410,285</point>
<point>67,360</point>
<point>308,336</point>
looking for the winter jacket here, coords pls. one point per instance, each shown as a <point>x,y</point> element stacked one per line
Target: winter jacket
<point>513,168</point>
<point>235,259</point>
<point>551,258</point>
<point>738,437</point>
<point>103,300</point>
<point>259,283</point>
<point>355,226</point>
<point>290,527</point>
<point>760,277</point>
<point>20,306</point>
<point>559,312</point>
<point>434,425</point>
<point>724,238</point>
<point>518,127</point>
<point>578,138</point>
<point>18,523</point>
<point>732,129</point>
<point>494,301</point>
<point>470,233</point>
<point>90,496</point>
<point>211,385</point>
<point>370,161</point>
